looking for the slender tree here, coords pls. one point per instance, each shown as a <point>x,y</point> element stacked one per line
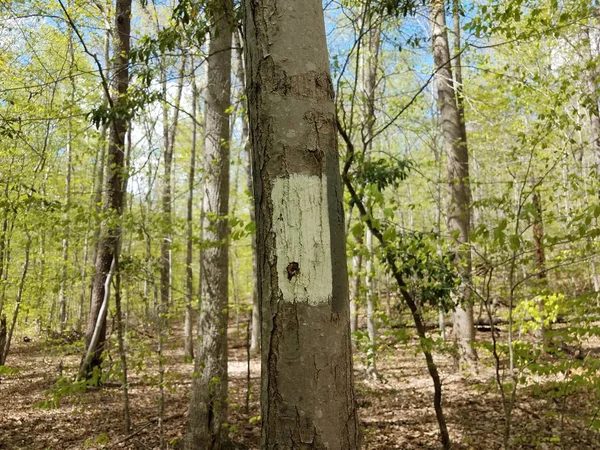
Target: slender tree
<point>189,308</point>
<point>369,72</point>
<point>540,254</point>
<point>241,74</point>
<point>169,136</point>
<point>307,394</point>
<point>457,168</point>
<point>110,234</point>
<point>62,297</point>
<point>208,408</point>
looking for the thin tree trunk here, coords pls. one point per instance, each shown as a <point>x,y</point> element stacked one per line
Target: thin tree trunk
<point>169,135</point>
<point>540,256</point>
<point>100,165</point>
<point>241,75</point>
<point>592,92</point>
<point>99,327</point>
<point>307,393</point>
<point>189,306</point>
<point>208,408</point>
<point>355,287</point>
<point>65,243</point>
<point>110,236</point>
<point>3,254</point>
<point>371,326</point>
<point>21,288</point>
<point>122,352</point>
<point>458,178</point>
<point>369,72</point>
<point>121,333</point>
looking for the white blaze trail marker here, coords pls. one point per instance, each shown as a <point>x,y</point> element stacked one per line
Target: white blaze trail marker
<point>302,237</point>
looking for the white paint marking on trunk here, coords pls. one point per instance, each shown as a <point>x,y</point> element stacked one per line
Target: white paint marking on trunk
<point>302,237</point>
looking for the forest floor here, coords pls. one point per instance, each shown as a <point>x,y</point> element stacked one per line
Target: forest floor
<point>396,410</point>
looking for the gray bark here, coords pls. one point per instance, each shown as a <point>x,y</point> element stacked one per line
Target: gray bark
<point>457,167</point>
<point>189,308</point>
<point>65,243</point>
<point>540,255</point>
<point>307,391</point>
<point>369,70</point>
<point>355,288</point>
<point>592,91</point>
<point>100,164</point>
<point>169,135</point>
<point>255,319</point>
<point>208,408</point>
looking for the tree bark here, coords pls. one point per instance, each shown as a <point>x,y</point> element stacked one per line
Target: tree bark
<point>208,408</point>
<point>457,167</point>
<point>110,234</point>
<point>307,393</point>
<point>169,135</point>
<point>65,242</point>
<point>369,71</point>
<point>355,287</point>
<point>8,340</point>
<point>100,164</point>
<point>591,89</point>
<point>255,319</point>
<point>189,308</point>
<point>540,256</point>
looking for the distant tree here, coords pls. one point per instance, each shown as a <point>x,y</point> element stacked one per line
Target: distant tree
<point>207,428</point>
<point>457,167</point>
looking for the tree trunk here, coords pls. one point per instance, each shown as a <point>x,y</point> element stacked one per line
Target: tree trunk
<point>371,325</point>
<point>6,348</point>
<point>307,394</point>
<point>3,254</point>
<point>110,234</point>
<point>255,326</point>
<point>591,87</point>
<point>189,308</point>
<point>100,165</point>
<point>369,72</point>
<point>355,287</point>
<point>458,178</point>
<point>169,135</point>
<point>65,243</point>
<point>208,408</point>
<point>540,256</point>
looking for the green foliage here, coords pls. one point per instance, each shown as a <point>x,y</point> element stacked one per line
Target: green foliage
<point>383,173</point>
<point>6,371</point>
<point>102,439</point>
<point>539,311</point>
<point>431,274</point>
<point>64,387</point>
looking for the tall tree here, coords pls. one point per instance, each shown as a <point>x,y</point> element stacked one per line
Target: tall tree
<point>241,74</point>
<point>208,408</point>
<point>457,168</point>
<point>307,394</point>
<point>111,230</point>
<point>540,254</point>
<point>62,296</point>
<point>369,71</point>
<point>189,308</point>
<point>169,135</point>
